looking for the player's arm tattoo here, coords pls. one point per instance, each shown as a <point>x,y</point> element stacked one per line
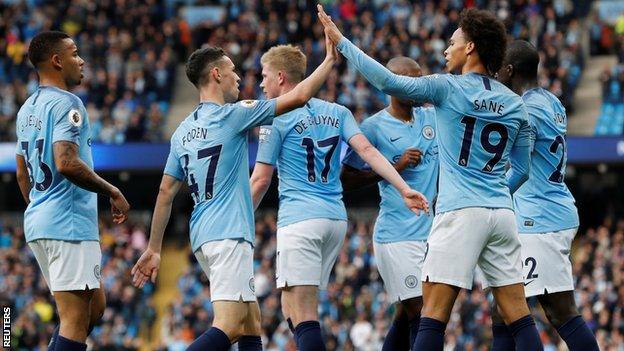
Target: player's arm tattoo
<point>23,179</point>
<point>69,164</point>
<point>353,178</point>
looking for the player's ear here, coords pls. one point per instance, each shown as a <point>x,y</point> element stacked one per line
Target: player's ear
<point>470,47</point>
<point>56,61</point>
<point>215,74</point>
<point>510,70</point>
<point>280,77</point>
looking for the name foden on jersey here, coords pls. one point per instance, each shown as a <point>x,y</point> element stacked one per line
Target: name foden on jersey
<point>304,123</point>
<point>489,105</point>
<point>198,132</point>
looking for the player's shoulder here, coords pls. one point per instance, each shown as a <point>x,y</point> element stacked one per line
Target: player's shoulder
<point>328,106</point>
<point>59,97</point>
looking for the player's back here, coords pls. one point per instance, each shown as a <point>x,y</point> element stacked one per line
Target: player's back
<point>544,203</point>
<point>209,150</point>
<point>479,120</point>
<point>309,160</point>
<point>58,208</point>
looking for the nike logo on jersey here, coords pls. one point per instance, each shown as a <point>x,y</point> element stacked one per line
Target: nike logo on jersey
<point>392,140</point>
<point>529,282</point>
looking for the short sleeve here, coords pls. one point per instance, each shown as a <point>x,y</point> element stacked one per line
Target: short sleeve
<point>526,136</point>
<point>68,117</point>
<point>18,148</point>
<point>269,145</point>
<point>252,113</point>
<point>173,166</point>
<point>352,158</point>
<point>349,125</point>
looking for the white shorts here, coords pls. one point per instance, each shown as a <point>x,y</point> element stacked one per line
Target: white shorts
<point>462,239</point>
<point>307,251</point>
<point>547,265</point>
<point>68,265</point>
<point>228,264</point>
<point>400,266</point>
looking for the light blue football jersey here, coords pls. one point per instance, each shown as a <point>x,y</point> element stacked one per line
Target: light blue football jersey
<point>305,145</point>
<point>392,137</point>
<point>58,208</point>
<point>479,121</point>
<point>544,203</point>
<point>209,150</point>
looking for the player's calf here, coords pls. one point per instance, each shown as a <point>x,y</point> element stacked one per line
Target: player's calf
<point>560,309</point>
<point>74,321</point>
<point>438,300</point>
<point>97,307</point>
<point>302,302</point>
<point>250,340</point>
<point>227,327</point>
<point>515,312</point>
<point>404,327</point>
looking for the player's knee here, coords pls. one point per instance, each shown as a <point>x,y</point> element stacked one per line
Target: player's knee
<point>411,307</point>
<point>558,315</point>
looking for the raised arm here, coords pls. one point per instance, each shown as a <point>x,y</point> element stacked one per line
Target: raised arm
<point>413,199</point>
<point>23,179</point>
<point>260,181</point>
<point>147,266</point>
<point>306,89</point>
<point>423,89</point>
<point>69,164</point>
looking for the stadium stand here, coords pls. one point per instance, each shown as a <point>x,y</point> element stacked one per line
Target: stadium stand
<point>131,69</point>
<point>130,48</point>
<point>133,51</point>
<point>611,118</point>
<point>129,311</point>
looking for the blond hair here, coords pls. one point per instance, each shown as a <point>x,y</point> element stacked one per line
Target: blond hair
<point>288,59</point>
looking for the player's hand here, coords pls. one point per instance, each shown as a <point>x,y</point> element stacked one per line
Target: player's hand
<point>119,207</point>
<point>146,268</point>
<point>331,31</point>
<point>410,158</point>
<point>415,201</point>
<point>331,51</point>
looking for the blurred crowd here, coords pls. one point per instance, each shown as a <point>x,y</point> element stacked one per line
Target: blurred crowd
<point>129,312</point>
<point>611,118</point>
<point>356,313</point>
<point>132,47</point>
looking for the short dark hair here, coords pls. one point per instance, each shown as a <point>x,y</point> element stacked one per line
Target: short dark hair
<point>488,35</point>
<point>44,45</point>
<point>524,58</point>
<point>199,60</point>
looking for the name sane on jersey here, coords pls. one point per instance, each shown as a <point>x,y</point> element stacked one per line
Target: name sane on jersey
<point>489,105</point>
<point>304,123</point>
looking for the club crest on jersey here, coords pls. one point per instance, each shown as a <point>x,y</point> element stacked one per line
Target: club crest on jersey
<point>411,281</point>
<point>75,118</point>
<point>428,132</point>
<point>249,103</point>
<point>264,134</point>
